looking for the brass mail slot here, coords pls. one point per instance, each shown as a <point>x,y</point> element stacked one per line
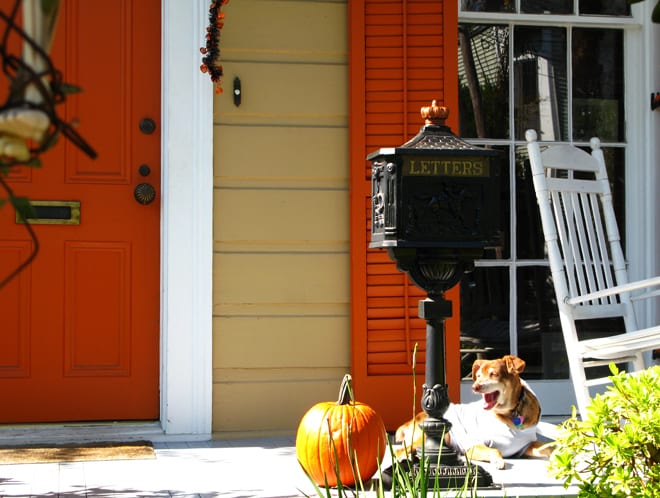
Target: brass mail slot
<point>53,213</point>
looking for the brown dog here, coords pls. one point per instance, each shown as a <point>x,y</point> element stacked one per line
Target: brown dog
<point>502,424</point>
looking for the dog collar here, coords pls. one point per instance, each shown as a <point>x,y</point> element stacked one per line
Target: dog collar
<point>517,419</point>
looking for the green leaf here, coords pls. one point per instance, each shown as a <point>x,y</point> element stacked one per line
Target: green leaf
<point>69,89</point>
<point>48,6</point>
<point>22,206</point>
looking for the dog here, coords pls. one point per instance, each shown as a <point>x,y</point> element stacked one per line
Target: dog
<point>501,425</point>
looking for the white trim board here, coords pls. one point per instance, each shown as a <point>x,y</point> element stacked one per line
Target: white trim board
<point>186,226</point>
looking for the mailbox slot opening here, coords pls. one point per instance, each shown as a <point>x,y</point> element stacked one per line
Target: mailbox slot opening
<point>53,213</point>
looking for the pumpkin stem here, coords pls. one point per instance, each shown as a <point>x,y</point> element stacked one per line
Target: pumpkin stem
<point>346,391</point>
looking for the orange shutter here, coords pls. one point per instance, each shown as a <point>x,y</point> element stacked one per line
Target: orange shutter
<point>403,55</point>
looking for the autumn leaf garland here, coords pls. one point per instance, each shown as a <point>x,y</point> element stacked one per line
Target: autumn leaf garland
<point>211,52</point>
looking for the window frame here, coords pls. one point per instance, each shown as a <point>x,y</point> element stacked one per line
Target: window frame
<point>639,191</point>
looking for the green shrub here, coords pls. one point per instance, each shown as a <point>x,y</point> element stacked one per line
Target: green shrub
<point>615,451</point>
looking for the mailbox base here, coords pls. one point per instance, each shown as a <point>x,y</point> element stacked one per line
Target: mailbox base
<point>439,475</point>
<point>443,467</point>
<point>467,476</point>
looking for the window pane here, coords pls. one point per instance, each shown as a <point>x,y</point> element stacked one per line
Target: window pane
<point>483,78</point>
<point>530,242</point>
<point>540,84</point>
<point>615,164</point>
<point>547,6</point>
<point>605,7</point>
<point>503,251</point>
<point>598,84</point>
<point>484,316</point>
<point>540,341</point>
<point>488,5</point>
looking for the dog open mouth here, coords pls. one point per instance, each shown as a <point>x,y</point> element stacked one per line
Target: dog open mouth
<point>490,399</point>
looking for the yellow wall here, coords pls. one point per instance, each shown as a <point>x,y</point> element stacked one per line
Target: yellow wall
<point>281,225</point>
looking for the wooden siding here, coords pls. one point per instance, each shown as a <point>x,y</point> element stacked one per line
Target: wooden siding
<point>281,221</point>
<point>403,55</point>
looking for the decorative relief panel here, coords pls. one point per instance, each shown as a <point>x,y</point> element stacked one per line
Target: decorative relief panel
<point>97,331</point>
<point>15,311</point>
<point>109,136</point>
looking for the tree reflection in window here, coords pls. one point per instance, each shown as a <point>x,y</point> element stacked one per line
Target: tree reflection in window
<point>483,81</point>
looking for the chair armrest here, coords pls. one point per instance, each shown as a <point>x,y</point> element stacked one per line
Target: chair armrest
<point>618,289</point>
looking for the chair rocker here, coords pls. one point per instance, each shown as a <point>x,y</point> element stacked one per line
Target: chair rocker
<point>586,261</point>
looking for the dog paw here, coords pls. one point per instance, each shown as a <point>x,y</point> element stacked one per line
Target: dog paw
<point>498,463</point>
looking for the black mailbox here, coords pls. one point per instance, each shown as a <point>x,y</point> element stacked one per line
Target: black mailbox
<point>435,190</point>
<point>435,207</point>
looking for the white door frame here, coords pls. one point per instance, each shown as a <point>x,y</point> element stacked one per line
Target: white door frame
<point>186,223</point>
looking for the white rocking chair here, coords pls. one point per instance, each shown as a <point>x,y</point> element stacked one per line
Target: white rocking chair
<point>586,260</point>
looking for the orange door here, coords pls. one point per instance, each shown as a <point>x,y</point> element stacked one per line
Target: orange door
<point>79,329</point>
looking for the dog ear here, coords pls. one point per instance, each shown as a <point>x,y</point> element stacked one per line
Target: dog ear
<point>514,364</point>
<point>475,368</point>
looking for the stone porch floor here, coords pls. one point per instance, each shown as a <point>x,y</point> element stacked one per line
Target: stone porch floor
<point>262,468</point>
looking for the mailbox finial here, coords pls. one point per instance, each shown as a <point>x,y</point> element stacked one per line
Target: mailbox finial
<point>434,114</point>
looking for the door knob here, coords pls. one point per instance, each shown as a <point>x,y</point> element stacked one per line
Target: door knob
<point>144,193</point>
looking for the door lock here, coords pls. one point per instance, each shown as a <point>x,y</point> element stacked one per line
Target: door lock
<point>147,126</point>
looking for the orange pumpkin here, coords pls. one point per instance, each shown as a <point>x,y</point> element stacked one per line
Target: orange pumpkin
<point>351,431</point>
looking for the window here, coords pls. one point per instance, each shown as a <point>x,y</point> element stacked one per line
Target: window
<point>556,66</point>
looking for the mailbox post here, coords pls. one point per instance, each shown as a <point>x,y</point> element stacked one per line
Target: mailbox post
<point>434,209</point>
